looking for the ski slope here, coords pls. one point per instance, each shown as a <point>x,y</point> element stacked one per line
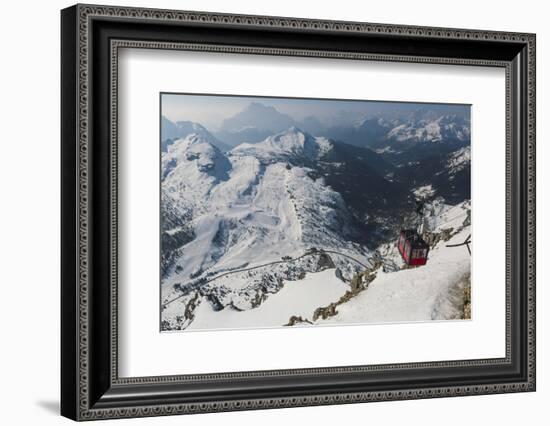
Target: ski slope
<point>298,298</point>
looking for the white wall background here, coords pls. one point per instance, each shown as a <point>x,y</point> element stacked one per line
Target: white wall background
<point>29,211</point>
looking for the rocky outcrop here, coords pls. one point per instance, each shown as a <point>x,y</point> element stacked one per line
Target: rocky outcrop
<point>362,280</point>
<point>359,283</point>
<point>433,238</point>
<point>467,298</point>
<point>295,320</point>
<point>325,262</point>
<point>325,312</point>
<point>181,322</point>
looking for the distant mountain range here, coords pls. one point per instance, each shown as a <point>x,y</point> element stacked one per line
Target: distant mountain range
<point>256,122</point>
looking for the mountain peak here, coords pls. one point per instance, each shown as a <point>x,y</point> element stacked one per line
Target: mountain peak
<point>258,106</point>
<point>190,125</point>
<point>291,139</point>
<point>195,153</point>
<point>191,141</point>
<point>171,131</point>
<point>294,129</point>
<point>258,116</point>
<point>292,143</point>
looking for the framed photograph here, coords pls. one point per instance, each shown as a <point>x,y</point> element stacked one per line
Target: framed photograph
<point>263,212</point>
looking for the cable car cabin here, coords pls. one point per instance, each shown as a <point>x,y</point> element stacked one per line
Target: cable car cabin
<point>413,248</point>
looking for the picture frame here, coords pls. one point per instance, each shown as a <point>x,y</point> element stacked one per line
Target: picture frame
<point>91,387</point>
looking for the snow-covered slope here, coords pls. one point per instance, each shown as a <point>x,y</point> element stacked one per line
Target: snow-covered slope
<point>292,144</point>
<point>296,298</point>
<point>431,292</point>
<point>459,160</point>
<point>249,207</point>
<point>446,127</point>
<point>247,233</point>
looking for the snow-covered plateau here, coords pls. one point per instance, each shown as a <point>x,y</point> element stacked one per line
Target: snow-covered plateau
<point>299,230</point>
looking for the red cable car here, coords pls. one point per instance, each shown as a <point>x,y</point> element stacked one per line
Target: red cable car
<point>413,248</point>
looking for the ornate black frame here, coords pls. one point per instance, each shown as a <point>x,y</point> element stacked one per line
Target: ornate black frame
<point>91,37</point>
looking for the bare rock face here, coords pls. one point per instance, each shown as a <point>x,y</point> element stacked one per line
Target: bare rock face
<point>294,320</point>
<point>432,238</point>
<point>325,312</point>
<point>325,262</point>
<point>467,302</point>
<point>467,297</point>
<point>362,280</point>
<point>182,321</point>
<point>258,299</point>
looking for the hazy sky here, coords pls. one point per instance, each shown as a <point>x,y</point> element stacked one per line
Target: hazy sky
<point>211,110</point>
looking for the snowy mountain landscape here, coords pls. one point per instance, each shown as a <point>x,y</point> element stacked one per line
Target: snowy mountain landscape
<point>272,220</point>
